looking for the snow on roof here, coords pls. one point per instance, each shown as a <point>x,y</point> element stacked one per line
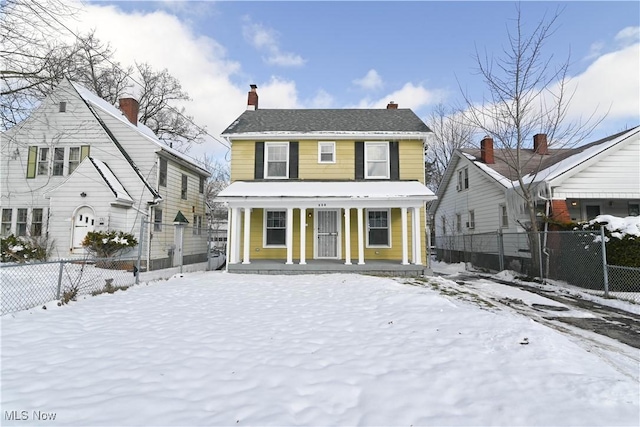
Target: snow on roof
<point>143,130</point>
<point>111,180</point>
<point>341,189</point>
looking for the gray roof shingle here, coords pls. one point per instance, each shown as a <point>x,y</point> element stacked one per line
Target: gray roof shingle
<point>327,120</point>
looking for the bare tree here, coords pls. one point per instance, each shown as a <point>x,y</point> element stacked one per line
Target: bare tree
<point>527,94</point>
<point>219,179</point>
<point>450,132</point>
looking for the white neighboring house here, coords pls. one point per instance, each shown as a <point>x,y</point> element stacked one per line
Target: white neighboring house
<point>79,164</point>
<point>477,193</point>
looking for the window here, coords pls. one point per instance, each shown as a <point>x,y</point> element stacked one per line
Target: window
<point>6,222</point>
<point>458,223</point>
<point>376,159</point>
<point>326,152</point>
<point>378,228</point>
<point>43,161</point>
<point>74,158</point>
<point>276,159</point>
<point>183,192</point>
<point>472,220</point>
<point>36,222</point>
<point>275,228</point>
<point>634,209</point>
<point>592,211</point>
<point>21,223</point>
<point>444,225</point>
<point>162,178</point>
<point>197,225</point>
<point>201,185</point>
<point>157,219</point>
<point>62,107</point>
<point>504,218</point>
<point>463,179</point>
<point>58,161</point>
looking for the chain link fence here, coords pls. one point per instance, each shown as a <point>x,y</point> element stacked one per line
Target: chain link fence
<point>574,257</point>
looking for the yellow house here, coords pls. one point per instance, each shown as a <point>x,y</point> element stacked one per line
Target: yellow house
<point>321,190</point>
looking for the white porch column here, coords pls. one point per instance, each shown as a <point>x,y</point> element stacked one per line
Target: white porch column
<point>235,236</point>
<point>303,235</point>
<point>247,236</point>
<point>415,216</point>
<point>405,249</point>
<point>360,237</point>
<point>227,246</point>
<point>347,236</point>
<point>289,236</point>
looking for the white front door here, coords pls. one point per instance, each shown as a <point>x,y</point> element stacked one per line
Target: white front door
<point>327,233</point>
<point>83,222</point>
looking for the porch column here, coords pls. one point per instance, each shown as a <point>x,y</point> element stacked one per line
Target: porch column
<point>235,235</point>
<point>228,245</point>
<point>289,236</point>
<point>347,236</point>
<point>360,237</point>
<point>247,236</point>
<point>405,249</point>
<point>415,217</point>
<point>303,235</point>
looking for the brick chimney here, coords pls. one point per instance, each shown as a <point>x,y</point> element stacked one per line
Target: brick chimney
<point>130,108</point>
<point>486,150</point>
<point>392,106</point>
<point>252,102</point>
<point>540,144</point>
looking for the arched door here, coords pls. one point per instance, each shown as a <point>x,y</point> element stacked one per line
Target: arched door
<point>83,222</point>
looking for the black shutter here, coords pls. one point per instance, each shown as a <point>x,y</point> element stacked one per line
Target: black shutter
<point>394,161</point>
<point>259,161</point>
<point>359,160</point>
<point>293,160</point>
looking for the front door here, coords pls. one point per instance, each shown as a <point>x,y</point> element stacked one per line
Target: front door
<point>327,232</point>
<point>83,222</point>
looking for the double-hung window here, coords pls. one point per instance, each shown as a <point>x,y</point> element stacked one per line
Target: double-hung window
<point>504,217</point>
<point>472,220</point>
<point>58,162</point>
<point>463,179</point>
<point>379,230</point>
<point>36,222</point>
<point>162,177</point>
<point>183,191</point>
<point>275,228</point>
<point>276,159</point>
<point>6,222</point>
<point>74,159</point>
<point>197,225</point>
<point>458,223</point>
<point>326,152</point>
<point>43,161</point>
<point>376,159</point>
<point>21,222</point>
<point>157,219</point>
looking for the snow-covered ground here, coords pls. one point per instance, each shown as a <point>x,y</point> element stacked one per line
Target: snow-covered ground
<point>223,349</point>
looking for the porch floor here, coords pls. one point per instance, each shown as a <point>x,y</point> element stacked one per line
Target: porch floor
<point>326,266</point>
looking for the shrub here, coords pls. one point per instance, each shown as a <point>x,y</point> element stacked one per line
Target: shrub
<point>23,249</point>
<point>622,249</point>
<point>106,244</point>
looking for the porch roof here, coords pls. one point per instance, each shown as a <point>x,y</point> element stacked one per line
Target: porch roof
<point>347,192</point>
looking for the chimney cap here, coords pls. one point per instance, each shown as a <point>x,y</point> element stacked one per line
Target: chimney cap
<point>253,86</point>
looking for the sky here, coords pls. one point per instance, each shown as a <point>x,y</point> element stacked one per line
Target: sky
<point>306,54</point>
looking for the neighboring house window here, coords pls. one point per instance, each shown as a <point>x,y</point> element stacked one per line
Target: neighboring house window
<point>58,161</point>
<point>504,218</point>
<point>21,223</point>
<point>463,179</point>
<point>276,159</point>
<point>62,107</point>
<point>444,225</point>
<point>201,185</point>
<point>74,158</point>
<point>197,225</point>
<point>592,211</point>
<point>634,209</point>
<point>458,223</point>
<point>275,228</point>
<point>43,161</point>
<point>6,222</point>
<point>183,192</point>
<point>379,229</point>
<point>326,152</point>
<point>157,219</point>
<point>472,220</point>
<point>162,179</point>
<point>376,159</point>
<point>36,222</point>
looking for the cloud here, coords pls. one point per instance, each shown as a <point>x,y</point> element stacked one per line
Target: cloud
<point>266,40</point>
<point>278,93</point>
<point>322,100</point>
<point>408,96</point>
<point>628,35</point>
<point>371,81</point>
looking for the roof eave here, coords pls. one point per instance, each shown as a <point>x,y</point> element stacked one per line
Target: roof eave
<point>346,135</point>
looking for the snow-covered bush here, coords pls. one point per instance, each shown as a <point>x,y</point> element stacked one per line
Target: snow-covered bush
<point>23,249</point>
<point>622,236</point>
<point>107,244</point>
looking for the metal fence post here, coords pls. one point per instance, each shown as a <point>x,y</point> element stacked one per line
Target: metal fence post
<point>540,256</point>
<point>208,247</point>
<point>60,279</point>
<point>140,243</point>
<point>500,250</point>
<point>605,272</point>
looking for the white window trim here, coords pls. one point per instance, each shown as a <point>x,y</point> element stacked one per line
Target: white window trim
<point>326,143</point>
<point>366,160</point>
<point>266,159</point>
<point>458,223</point>
<point>471,224</point>
<point>461,179</point>
<point>388,228</point>
<point>500,208</point>
<point>264,228</point>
